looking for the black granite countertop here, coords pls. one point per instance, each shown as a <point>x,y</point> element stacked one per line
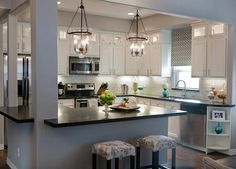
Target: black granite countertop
<point>181,100</point>
<point>85,116</point>
<point>20,114</point>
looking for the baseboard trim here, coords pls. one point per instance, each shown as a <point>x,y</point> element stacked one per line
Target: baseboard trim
<point>10,164</point>
<point>2,147</point>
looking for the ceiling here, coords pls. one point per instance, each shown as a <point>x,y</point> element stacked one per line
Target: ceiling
<point>102,8</point>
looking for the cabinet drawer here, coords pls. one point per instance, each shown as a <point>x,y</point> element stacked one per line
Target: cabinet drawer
<point>66,102</point>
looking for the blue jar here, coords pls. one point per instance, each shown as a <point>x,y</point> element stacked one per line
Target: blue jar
<point>165,92</point>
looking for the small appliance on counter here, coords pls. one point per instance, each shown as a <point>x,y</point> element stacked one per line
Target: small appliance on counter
<point>61,89</point>
<point>84,94</point>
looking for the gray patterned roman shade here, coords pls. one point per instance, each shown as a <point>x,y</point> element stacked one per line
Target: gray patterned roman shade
<point>181,47</point>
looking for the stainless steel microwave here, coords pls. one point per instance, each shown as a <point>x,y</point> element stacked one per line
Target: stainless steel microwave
<point>83,65</point>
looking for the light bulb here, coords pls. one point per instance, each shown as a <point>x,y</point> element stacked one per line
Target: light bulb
<point>137,49</point>
<point>81,45</point>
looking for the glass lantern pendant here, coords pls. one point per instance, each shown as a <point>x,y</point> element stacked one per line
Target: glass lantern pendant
<point>81,34</point>
<point>138,37</point>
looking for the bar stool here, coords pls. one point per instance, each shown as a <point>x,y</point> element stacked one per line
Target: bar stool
<point>155,143</point>
<point>113,150</point>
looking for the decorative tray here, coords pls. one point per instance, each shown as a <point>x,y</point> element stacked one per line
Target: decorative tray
<point>121,108</point>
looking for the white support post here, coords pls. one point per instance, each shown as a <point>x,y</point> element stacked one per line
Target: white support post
<point>1,67</point>
<point>12,62</point>
<point>44,72</point>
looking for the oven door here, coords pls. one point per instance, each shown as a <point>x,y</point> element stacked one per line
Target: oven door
<point>80,66</point>
<point>80,103</point>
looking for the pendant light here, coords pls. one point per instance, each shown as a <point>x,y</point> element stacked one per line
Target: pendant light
<point>81,34</point>
<point>135,37</point>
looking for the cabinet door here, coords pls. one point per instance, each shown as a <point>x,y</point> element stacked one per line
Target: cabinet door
<point>4,37</point>
<point>106,53</point>
<point>216,57</point>
<point>198,58</point>
<point>155,60</point>
<point>119,60</point>
<point>131,63</point>
<point>93,47</point>
<point>143,62</point>
<point>26,38</point>
<point>63,51</point>
<point>19,37</point>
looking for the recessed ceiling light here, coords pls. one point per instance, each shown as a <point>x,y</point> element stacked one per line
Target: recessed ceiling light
<point>131,14</point>
<point>58,2</point>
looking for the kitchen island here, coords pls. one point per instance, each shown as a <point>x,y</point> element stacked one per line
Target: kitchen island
<point>76,130</point>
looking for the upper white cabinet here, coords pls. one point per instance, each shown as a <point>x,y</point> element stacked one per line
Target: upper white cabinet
<point>63,51</point>
<point>112,53</point>
<point>209,46</point>
<point>24,38</point>
<point>156,60</point>
<point>4,37</point>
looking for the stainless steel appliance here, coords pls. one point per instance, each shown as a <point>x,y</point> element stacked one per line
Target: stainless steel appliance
<point>84,94</point>
<point>193,126</point>
<point>23,78</point>
<point>83,65</point>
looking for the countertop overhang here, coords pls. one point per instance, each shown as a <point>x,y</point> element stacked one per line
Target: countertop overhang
<point>85,116</point>
<point>20,114</point>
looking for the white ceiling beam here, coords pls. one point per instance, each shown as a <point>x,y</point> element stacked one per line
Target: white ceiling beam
<point>5,4</point>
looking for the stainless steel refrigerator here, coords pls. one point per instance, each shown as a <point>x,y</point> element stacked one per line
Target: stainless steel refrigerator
<point>23,78</point>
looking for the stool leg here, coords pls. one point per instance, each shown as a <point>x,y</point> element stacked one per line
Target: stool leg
<point>155,160</point>
<point>132,162</point>
<point>137,157</point>
<point>116,163</point>
<point>108,164</point>
<point>94,159</point>
<point>173,162</point>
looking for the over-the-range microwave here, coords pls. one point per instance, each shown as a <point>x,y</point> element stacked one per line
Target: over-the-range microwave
<point>78,66</point>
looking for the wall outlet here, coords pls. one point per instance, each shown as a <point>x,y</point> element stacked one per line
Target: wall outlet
<point>18,152</point>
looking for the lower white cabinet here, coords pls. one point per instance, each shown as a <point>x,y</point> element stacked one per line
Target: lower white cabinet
<point>67,102</point>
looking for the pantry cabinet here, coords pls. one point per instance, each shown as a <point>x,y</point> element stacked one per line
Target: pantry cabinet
<point>209,46</point>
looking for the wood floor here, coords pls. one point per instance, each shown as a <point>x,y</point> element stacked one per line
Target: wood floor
<point>186,158</point>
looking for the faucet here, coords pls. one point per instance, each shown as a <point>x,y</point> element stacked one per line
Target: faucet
<point>184,90</point>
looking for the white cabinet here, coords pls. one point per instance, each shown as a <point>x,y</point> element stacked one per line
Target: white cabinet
<point>112,53</point>
<point>209,45</point>
<point>26,38</point>
<point>156,60</point>
<point>63,51</point>
<point>5,41</point>
<point>67,102</point>
<point>23,38</point>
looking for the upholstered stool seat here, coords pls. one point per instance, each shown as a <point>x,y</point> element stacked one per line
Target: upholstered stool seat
<point>155,143</point>
<point>113,150</point>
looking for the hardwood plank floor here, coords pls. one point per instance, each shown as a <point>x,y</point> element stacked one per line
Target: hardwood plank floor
<point>186,158</point>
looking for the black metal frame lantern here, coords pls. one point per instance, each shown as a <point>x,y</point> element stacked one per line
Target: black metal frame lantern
<point>136,38</point>
<point>81,34</point>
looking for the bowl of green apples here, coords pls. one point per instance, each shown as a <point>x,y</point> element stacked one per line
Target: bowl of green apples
<point>107,99</point>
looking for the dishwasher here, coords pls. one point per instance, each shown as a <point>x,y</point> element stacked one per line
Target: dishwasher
<point>193,125</point>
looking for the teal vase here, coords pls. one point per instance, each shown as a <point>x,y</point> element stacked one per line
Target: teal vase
<point>219,128</point>
<point>165,92</point>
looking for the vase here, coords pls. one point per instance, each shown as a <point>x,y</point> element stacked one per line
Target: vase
<point>219,128</point>
<point>165,92</point>
<point>106,109</point>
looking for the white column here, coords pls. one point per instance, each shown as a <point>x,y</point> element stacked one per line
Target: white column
<point>12,61</point>
<point>44,72</point>
<point>1,67</point>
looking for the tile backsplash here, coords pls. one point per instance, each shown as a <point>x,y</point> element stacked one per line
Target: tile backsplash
<point>152,85</point>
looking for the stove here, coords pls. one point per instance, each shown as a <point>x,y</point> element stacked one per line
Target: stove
<point>84,94</point>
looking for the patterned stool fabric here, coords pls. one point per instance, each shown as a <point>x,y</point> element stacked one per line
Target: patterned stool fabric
<point>156,142</point>
<point>113,149</point>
